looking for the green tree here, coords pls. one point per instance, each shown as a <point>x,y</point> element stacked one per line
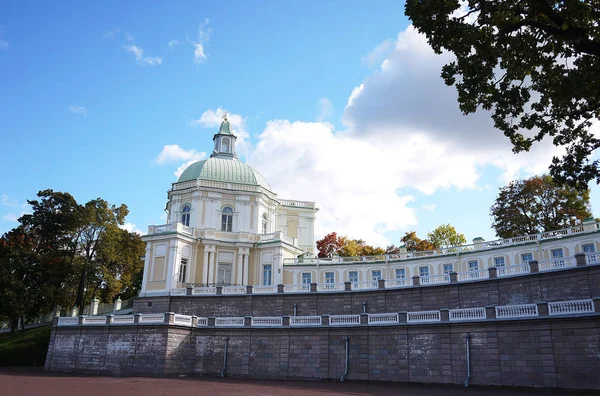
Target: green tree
<point>535,205</point>
<point>415,244</point>
<point>534,63</point>
<point>446,236</point>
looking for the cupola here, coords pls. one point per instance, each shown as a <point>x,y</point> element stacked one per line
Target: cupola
<point>224,141</point>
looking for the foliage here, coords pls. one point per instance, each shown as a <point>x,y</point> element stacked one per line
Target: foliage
<point>445,236</point>
<point>329,245</point>
<point>413,243</point>
<point>535,64</point>
<point>24,349</point>
<point>535,205</point>
<point>332,244</point>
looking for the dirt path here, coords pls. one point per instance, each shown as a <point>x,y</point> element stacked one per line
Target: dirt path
<point>18,381</point>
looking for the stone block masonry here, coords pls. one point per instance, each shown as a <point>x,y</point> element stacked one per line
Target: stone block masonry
<point>559,352</point>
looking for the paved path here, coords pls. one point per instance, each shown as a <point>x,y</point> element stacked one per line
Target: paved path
<point>19,381</point>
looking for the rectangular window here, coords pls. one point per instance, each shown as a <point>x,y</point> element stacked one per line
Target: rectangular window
<point>329,277</point>
<point>589,248</point>
<point>423,271</point>
<point>182,270</point>
<point>267,275</point>
<point>353,276</point>
<point>306,278</point>
<point>376,274</point>
<point>400,273</point>
<point>557,253</point>
<point>224,274</point>
<point>473,265</point>
<point>526,257</point>
<point>448,268</point>
<point>499,261</point>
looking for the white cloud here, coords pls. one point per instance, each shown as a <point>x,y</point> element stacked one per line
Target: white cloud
<point>428,207</point>
<point>199,55</point>
<point>325,109</point>
<point>173,43</point>
<point>174,153</point>
<point>140,58</point>
<point>3,44</point>
<point>378,53</point>
<point>131,228</point>
<point>78,109</point>
<point>213,118</point>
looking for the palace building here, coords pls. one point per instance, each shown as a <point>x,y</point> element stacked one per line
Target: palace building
<point>228,229</point>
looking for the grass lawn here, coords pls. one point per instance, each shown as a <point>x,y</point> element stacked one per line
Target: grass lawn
<point>27,348</point>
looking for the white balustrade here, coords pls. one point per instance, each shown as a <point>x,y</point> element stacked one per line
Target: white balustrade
<point>513,270</point>
<point>183,320</point>
<point>122,319</point>
<point>435,279</point>
<point>68,321</point>
<point>466,314</point>
<point>516,311</point>
<point>151,318</point>
<point>182,291</point>
<point>233,290</point>
<point>570,307</point>
<point>266,321</point>
<point>592,258</point>
<point>202,322</point>
<point>305,288</point>
<point>557,263</point>
<point>229,322</point>
<point>305,321</point>
<point>395,283</point>
<point>264,289</point>
<point>423,317</point>
<point>330,287</point>
<point>344,320</point>
<point>473,275</point>
<point>365,285</point>
<point>383,318</point>
<point>205,290</point>
<point>93,320</point>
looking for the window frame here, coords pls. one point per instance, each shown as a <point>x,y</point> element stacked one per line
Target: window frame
<point>182,270</point>
<point>265,223</point>
<point>350,276</point>
<point>470,266</point>
<point>446,272</point>
<point>186,210</point>
<point>267,270</point>
<point>304,278</point>
<point>403,273</point>
<point>330,279</point>
<point>496,261</point>
<point>523,257</point>
<point>592,245</point>
<point>376,277</point>
<point>225,148</point>
<point>227,219</point>
<point>421,268</point>
<point>562,253</point>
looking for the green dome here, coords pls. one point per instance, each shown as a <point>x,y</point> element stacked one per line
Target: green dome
<point>224,170</point>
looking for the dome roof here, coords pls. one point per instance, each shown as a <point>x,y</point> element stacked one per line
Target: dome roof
<point>224,170</point>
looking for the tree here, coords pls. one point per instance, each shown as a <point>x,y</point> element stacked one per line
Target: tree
<point>329,245</point>
<point>415,244</point>
<point>534,63</point>
<point>536,205</point>
<point>446,236</point>
<point>332,244</point>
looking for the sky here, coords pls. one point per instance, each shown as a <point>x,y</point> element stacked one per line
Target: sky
<point>337,102</point>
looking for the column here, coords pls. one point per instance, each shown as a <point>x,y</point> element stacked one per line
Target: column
<point>205,264</point>
<point>191,278</point>
<point>278,270</point>
<point>173,257</point>
<point>147,258</point>
<point>213,267</point>
<point>239,268</point>
<point>246,265</point>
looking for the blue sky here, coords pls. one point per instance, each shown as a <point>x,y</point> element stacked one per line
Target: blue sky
<point>92,94</point>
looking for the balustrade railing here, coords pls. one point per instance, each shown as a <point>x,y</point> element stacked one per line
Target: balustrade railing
<point>264,289</point>
<point>183,320</point>
<point>516,311</point>
<point>513,270</point>
<point>68,321</point>
<point>93,320</point>
<point>383,318</point>
<point>395,283</point>
<point>305,321</point>
<point>266,321</point>
<point>423,316</point>
<point>557,263</point>
<point>473,275</point>
<point>329,287</point>
<point>435,279</point>
<point>151,318</point>
<point>229,322</point>
<point>365,285</point>
<point>466,314</point>
<point>304,288</point>
<point>344,320</point>
<point>178,292</point>
<point>202,322</point>
<point>233,290</point>
<point>204,290</point>
<point>122,319</point>
<point>592,258</point>
<point>570,307</point>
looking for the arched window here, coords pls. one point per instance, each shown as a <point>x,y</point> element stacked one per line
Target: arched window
<point>227,219</point>
<point>265,223</point>
<point>185,215</point>
<point>225,144</point>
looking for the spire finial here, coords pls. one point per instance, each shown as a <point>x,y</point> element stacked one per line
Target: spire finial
<point>224,116</point>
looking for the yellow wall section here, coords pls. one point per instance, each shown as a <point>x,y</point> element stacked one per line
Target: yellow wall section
<point>159,272</point>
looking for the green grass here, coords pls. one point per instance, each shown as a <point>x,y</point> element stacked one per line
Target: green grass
<point>27,348</point>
